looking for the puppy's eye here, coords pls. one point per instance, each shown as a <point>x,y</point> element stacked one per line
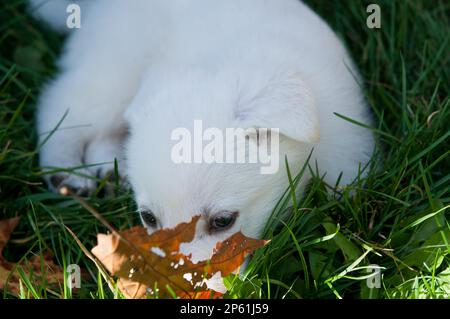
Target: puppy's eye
<point>222,221</point>
<point>149,218</point>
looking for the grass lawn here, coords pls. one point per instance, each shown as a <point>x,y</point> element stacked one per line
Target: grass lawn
<point>398,219</point>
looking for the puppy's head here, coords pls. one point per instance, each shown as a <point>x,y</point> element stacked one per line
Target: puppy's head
<point>229,196</point>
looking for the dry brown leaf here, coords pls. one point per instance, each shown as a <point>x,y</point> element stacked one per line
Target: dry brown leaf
<point>43,269</point>
<point>147,265</point>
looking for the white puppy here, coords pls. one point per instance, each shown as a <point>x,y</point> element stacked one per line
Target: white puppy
<point>137,70</point>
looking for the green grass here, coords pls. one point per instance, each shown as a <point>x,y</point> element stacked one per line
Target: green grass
<point>397,219</point>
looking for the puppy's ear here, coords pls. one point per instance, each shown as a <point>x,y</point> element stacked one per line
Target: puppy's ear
<point>285,103</point>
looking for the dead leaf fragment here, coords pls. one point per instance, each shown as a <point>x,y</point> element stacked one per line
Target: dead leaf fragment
<point>147,265</point>
<point>7,226</point>
<point>41,269</point>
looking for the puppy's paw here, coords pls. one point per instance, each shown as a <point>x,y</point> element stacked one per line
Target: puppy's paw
<point>67,184</point>
<point>92,165</point>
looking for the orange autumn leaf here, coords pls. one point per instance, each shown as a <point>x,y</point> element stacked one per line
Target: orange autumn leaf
<point>42,268</point>
<point>147,265</point>
<point>7,226</point>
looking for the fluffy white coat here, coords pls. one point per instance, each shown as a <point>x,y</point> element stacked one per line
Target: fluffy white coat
<point>147,67</point>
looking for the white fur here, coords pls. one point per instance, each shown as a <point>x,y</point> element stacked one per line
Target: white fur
<point>230,63</point>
